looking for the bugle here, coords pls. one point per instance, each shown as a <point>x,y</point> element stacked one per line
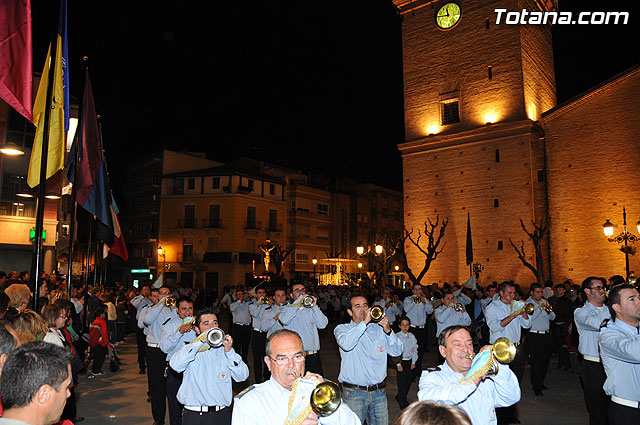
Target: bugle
<point>377,313</point>
<point>547,307</point>
<point>308,301</point>
<point>486,363</point>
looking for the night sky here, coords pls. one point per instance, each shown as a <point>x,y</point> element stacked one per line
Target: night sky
<point>312,85</point>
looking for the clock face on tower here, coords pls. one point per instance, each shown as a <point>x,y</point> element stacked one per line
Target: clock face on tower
<point>448,16</point>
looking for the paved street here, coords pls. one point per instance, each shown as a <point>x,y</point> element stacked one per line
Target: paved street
<point>121,397</point>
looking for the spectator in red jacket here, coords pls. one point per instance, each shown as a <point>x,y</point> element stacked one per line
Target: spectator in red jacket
<point>98,340</point>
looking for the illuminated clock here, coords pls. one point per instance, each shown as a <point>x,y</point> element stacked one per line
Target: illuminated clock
<point>448,16</point>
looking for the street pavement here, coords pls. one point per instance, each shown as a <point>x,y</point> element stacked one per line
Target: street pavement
<point>120,397</point>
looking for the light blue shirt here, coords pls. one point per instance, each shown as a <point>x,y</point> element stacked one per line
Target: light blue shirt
<point>270,323</point>
<point>494,313</point>
<point>588,319</point>
<point>409,346</point>
<point>540,319</point>
<point>267,404</point>
<point>256,311</point>
<point>154,318</point>
<point>392,312</point>
<point>240,312</point>
<point>207,374</point>
<point>446,317</point>
<point>139,303</point>
<point>364,350</point>
<point>461,297</point>
<point>417,312</point>
<point>620,351</point>
<point>172,340</point>
<point>306,322</point>
<point>479,402</point>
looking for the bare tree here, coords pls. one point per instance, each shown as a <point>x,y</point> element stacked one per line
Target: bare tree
<point>279,256</point>
<point>429,248</point>
<point>536,236</point>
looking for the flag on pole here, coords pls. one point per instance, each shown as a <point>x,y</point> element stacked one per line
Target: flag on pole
<point>469,243</point>
<point>114,242</point>
<point>62,33</point>
<point>158,281</point>
<point>16,51</point>
<point>471,282</point>
<point>55,154</point>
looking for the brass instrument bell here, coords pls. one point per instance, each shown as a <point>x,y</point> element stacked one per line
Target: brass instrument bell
<point>170,301</point>
<point>547,307</point>
<point>504,351</point>
<point>377,313</point>
<point>263,300</point>
<point>416,299</point>
<point>308,301</point>
<point>326,398</point>
<point>529,308</point>
<point>458,307</point>
<point>215,337</point>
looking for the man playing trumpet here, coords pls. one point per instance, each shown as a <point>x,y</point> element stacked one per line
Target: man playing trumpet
<point>206,391</point>
<point>478,396</point>
<point>268,403</point>
<point>450,313</point>
<point>539,339</point>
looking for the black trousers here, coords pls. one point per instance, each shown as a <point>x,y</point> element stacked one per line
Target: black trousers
<point>174,380</point>
<point>560,332</point>
<point>506,414</point>
<point>222,417</point>
<point>141,340</point>
<point>99,353</point>
<point>623,415</point>
<point>421,337</point>
<point>258,345</point>
<point>404,379</point>
<point>241,338</point>
<point>156,363</point>
<point>540,347</point>
<point>313,364</point>
<point>597,401</point>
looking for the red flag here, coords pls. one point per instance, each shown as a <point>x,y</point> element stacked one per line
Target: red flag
<point>16,52</point>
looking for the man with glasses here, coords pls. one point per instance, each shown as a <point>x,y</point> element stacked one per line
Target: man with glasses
<point>269,402</point>
<point>589,319</point>
<point>364,347</point>
<point>206,391</point>
<point>305,321</point>
<point>154,318</point>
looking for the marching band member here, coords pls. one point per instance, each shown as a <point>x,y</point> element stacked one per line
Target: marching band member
<point>268,403</point>
<point>588,319</point>
<point>258,336</point>
<point>539,340</point>
<point>139,302</point>
<point>503,322</point>
<point>620,352</point>
<point>154,317</point>
<point>305,321</point>
<point>407,361</point>
<point>241,328</point>
<point>390,307</point>
<point>271,315</point>
<point>175,333</point>
<point>364,347</point>
<point>447,315</point>
<point>206,391</point>
<point>417,307</point>
<point>478,397</point>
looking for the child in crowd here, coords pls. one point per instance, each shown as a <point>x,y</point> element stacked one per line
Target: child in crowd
<point>407,362</point>
<point>98,341</point>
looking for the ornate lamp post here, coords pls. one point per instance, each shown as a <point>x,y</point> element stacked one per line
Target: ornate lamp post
<point>369,250</point>
<point>624,238</point>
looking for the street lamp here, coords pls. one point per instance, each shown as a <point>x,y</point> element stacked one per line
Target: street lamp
<point>314,261</point>
<point>624,238</point>
<point>369,250</point>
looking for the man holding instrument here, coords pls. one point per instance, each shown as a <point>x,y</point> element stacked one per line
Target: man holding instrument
<point>474,394</point>
<point>206,391</point>
<point>269,402</point>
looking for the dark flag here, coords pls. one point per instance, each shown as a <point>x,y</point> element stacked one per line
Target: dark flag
<point>469,243</point>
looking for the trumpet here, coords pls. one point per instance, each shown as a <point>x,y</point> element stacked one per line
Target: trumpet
<point>529,308</point>
<point>167,301</point>
<point>308,301</point>
<point>416,299</point>
<point>502,351</point>
<point>457,307</point>
<point>263,300</point>
<point>325,398</point>
<point>214,337</point>
<point>187,321</point>
<point>377,313</point>
<point>547,307</point>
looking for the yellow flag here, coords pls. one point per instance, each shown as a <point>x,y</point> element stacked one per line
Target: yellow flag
<point>55,156</point>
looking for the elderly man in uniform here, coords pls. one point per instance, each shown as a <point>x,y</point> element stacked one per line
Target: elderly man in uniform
<point>539,341</point>
<point>417,312</point>
<point>175,333</point>
<point>271,315</point>
<point>478,397</point>
<point>154,318</point>
<point>364,347</point>
<point>258,336</point>
<point>502,322</point>
<point>206,391</point>
<point>268,403</point>
<point>588,319</point>
<point>620,352</point>
<point>306,322</point>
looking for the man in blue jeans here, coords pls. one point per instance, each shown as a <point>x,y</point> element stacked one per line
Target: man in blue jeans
<point>364,347</point>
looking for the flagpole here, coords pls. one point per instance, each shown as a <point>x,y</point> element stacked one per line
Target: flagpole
<point>74,192</point>
<point>37,261</point>
<point>86,273</point>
